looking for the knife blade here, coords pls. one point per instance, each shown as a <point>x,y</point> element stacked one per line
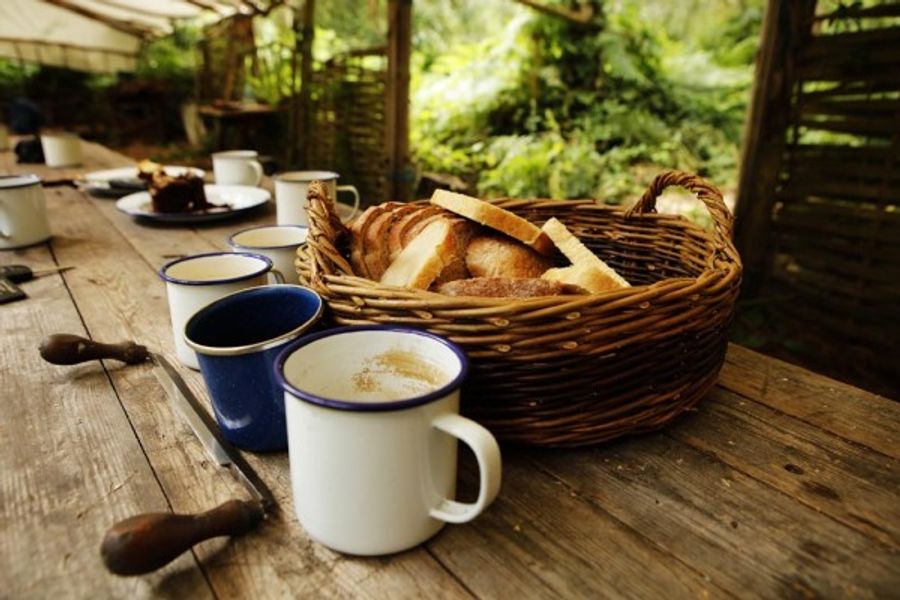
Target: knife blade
<point>206,430</point>
<point>146,542</point>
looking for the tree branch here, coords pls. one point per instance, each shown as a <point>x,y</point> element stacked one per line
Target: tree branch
<point>582,16</point>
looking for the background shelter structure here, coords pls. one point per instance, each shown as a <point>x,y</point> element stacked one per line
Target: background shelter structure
<point>818,225</point>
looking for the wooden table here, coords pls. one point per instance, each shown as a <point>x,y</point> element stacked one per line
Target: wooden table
<point>781,483</point>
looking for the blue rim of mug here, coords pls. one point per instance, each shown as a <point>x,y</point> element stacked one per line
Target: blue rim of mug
<point>256,346</point>
<point>414,401</point>
<point>171,263</point>
<point>234,244</point>
<point>30,179</point>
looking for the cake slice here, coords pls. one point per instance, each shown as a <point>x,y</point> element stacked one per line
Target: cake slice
<point>581,257</point>
<point>494,217</point>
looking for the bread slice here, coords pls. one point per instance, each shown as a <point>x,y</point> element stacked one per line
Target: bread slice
<point>588,277</point>
<point>375,252</point>
<point>580,255</point>
<point>455,267</point>
<point>420,262</point>
<point>507,287</point>
<point>501,256</point>
<point>494,217</point>
<point>357,240</point>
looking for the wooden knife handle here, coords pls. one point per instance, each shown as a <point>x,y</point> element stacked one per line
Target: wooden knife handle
<point>147,542</point>
<point>68,349</point>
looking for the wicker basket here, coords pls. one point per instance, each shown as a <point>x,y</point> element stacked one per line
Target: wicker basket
<point>570,370</point>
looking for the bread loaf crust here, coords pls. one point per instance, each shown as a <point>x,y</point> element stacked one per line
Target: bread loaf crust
<point>495,217</point>
<point>506,287</point>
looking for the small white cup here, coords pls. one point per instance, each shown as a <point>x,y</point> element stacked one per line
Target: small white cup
<point>193,282</point>
<point>61,149</point>
<point>373,423</point>
<point>290,194</point>
<point>278,242</point>
<point>23,214</point>
<point>237,167</point>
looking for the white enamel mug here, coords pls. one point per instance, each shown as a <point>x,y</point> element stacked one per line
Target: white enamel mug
<point>23,213</point>
<point>290,195</point>
<point>237,167</point>
<point>373,424</point>
<point>278,242</point>
<point>193,282</point>
<point>61,149</point>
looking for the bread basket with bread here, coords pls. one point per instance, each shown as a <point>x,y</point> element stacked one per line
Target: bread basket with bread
<point>583,322</point>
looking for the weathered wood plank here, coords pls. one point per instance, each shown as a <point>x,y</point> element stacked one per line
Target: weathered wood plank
<point>540,540</point>
<point>738,533</point>
<point>844,480</point>
<point>842,409</point>
<point>70,465</point>
<point>120,296</point>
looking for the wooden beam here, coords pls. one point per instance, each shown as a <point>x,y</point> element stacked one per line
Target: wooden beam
<point>396,144</point>
<point>304,101</point>
<point>786,23</point>
<point>123,26</point>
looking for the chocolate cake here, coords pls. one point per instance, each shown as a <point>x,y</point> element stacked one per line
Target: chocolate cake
<point>183,193</point>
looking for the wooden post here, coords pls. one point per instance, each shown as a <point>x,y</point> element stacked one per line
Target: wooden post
<point>786,23</point>
<point>396,144</point>
<point>304,103</point>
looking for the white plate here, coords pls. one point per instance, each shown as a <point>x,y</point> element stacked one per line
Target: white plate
<point>132,172</point>
<point>241,198</point>
<point>97,183</point>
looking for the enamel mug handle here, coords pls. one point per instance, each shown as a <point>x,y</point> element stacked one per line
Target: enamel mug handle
<point>277,275</point>
<point>5,221</point>
<point>257,168</point>
<point>487,452</point>
<point>352,190</point>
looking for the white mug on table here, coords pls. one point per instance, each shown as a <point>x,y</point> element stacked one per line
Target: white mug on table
<point>23,213</point>
<point>278,242</point>
<point>193,282</point>
<point>61,149</point>
<point>290,194</point>
<point>237,167</point>
<point>373,424</point>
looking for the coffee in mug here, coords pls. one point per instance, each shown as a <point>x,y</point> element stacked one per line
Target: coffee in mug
<point>23,213</point>
<point>373,422</point>
<point>290,195</point>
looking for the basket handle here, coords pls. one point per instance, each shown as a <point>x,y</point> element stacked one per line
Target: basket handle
<point>705,192</point>
<point>325,229</point>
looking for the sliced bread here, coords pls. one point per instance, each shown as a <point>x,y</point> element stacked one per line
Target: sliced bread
<point>579,254</point>
<point>588,277</point>
<point>507,287</point>
<point>494,217</point>
<point>423,259</point>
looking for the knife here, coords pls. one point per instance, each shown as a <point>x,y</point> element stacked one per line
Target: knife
<point>146,542</point>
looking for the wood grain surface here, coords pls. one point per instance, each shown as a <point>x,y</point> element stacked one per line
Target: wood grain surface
<point>781,484</point>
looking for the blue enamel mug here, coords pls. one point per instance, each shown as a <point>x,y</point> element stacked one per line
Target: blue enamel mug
<point>236,339</point>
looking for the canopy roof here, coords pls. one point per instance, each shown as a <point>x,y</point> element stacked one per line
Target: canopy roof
<point>96,35</point>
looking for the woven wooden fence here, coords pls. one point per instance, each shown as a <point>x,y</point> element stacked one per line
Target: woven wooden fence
<point>822,177</point>
<point>349,121</point>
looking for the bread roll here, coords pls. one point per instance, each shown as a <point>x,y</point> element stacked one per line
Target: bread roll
<point>494,217</point>
<point>499,256</point>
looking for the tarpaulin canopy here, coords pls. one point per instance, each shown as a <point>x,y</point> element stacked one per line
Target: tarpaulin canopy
<point>96,35</point>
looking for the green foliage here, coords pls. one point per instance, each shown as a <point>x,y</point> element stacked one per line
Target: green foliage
<point>544,107</point>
